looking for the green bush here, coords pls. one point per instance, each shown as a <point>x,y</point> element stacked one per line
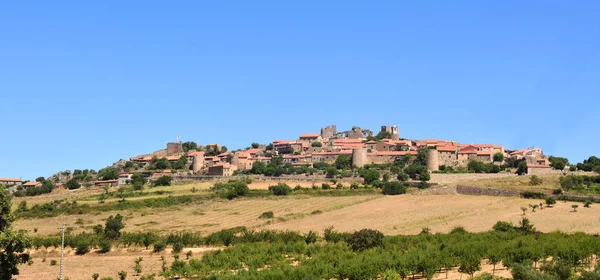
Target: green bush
<point>534,195</point>
<point>231,189</point>
<point>177,247</point>
<point>365,239</point>
<point>393,188</point>
<point>104,245</point>
<point>550,201</point>
<point>53,262</point>
<point>159,247</point>
<point>267,215</point>
<point>535,180</point>
<point>83,247</point>
<point>280,189</point>
<point>325,186</point>
<point>163,181</point>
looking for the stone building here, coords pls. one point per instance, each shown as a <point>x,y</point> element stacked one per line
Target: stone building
<point>392,130</point>
<point>328,132</point>
<point>174,148</point>
<point>11,181</point>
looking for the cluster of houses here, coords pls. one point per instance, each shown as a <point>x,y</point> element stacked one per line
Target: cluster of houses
<point>326,147</point>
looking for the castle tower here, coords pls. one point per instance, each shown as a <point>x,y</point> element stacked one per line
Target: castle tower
<point>433,162</point>
<point>392,130</point>
<point>359,157</point>
<point>174,148</point>
<point>198,163</point>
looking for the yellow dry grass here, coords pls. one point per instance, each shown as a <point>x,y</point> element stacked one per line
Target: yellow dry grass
<point>520,183</point>
<point>208,216</point>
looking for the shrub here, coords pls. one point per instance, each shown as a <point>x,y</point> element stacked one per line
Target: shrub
<point>393,188</point>
<point>177,247</point>
<point>550,201</point>
<point>339,186</point>
<point>231,189</point>
<point>587,203</point>
<point>535,180</point>
<point>334,236</point>
<point>325,186</point>
<point>83,247</point>
<point>571,182</point>
<point>52,262</point>
<point>458,230</point>
<point>522,168</point>
<point>163,181</point>
<point>113,227</point>
<point>530,194</point>
<point>159,247</point>
<point>280,189</point>
<point>267,215</point>
<point>354,186</point>
<point>122,275</point>
<point>104,245</point>
<point>369,175</point>
<point>310,237</point>
<point>365,239</point>
<point>72,184</point>
<point>557,191</point>
<point>503,226</point>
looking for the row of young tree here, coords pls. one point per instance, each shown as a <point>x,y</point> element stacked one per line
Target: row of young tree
<point>367,254</point>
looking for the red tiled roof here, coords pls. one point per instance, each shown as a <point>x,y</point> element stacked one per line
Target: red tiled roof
<point>10,180</point>
<point>483,145</point>
<point>335,141</point>
<point>467,152</point>
<point>31,184</point>
<point>254,151</point>
<point>371,142</point>
<point>310,135</point>
<point>191,154</point>
<point>223,154</point>
<point>342,152</point>
<point>173,157</point>
<point>484,153</point>
<point>446,148</point>
<point>124,175</point>
<point>392,153</point>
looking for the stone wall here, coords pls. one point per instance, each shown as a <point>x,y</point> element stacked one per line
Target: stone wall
<point>467,190</point>
<point>328,131</point>
<point>458,177</point>
<point>174,148</point>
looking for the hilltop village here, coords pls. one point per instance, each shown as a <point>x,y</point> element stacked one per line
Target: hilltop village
<point>362,145</point>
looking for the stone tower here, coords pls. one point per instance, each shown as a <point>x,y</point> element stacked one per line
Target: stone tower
<point>174,148</point>
<point>198,163</point>
<point>433,163</point>
<point>392,130</point>
<point>328,132</point>
<point>359,157</point>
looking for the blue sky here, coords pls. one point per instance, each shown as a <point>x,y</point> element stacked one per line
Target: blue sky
<point>85,83</point>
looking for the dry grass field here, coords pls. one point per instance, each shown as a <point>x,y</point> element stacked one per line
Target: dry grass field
<point>404,214</point>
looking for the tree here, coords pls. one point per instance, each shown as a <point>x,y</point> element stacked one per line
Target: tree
<point>574,206</point>
<point>109,173</point>
<point>343,162</point>
<point>535,180</point>
<point>365,239</point>
<point>255,145</point>
<point>258,167</point>
<point>331,172</point>
<point>498,157</point>
<point>163,181</point>
<point>191,145</point>
<point>393,188</point>
<point>316,144</point>
<point>137,266</point>
<point>558,163</point>
<point>369,175</point>
<point>40,179</point>
<point>280,189</point>
<point>113,227</point>
<point>550,201</point>
<point>12,244</point>
<point>122,275</point>
<point>522,168</point>
<point>72,184</point>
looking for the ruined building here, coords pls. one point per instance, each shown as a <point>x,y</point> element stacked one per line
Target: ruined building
<point>392,130</point>
<point>328,132</point>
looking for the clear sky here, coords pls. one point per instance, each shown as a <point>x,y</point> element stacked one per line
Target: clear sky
<point>85,83</point>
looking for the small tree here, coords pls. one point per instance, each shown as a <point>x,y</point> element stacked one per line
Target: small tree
<point>188,254</point>
<point>522,168</point>
<point>122,275</point>
<point>137,266</point>
<point>280,189</point>
<point>113,227</point>
<point>587,203</point>
<point>365,239</point>
<point>535,180</point>
<point>316,144</point>
<point>498,157</point>
<point>574,206</point>
<point>550,201</point>
<point>163,181</point>
<point>524,209</point>
<point>72,184</point>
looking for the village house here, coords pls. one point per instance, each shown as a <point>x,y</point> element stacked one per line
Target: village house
<point>11,181</point>
<point>124,178</point>
<point>310,137</point>
<point>32,184</point>
<point>222,169</point>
